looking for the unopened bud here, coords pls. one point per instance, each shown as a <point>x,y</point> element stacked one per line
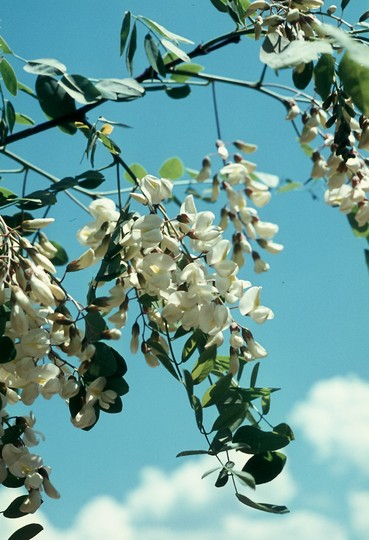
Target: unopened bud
<point>34,224</point>
<point>84,261</point>
<point>245,147</point>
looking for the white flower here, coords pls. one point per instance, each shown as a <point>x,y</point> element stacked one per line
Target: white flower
<point>154,189</point>
<point>103,210</point>
<point>250,305</point>
<point>36,343</point>
<point>235,173</point>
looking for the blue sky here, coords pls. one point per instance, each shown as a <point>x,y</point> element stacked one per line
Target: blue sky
<point>123,475</point>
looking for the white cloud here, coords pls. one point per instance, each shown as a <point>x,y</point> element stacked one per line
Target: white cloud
<point>359,504</point>
<point>335,419</point>
<point>182,506</point>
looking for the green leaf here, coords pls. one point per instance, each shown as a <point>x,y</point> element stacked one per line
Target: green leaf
<point>166,362</point>
<point>344,3</point>
<point>184,71</point>
<point>196,405</point>
<point>26,89</point>
<point>264,507</point>
<point>54,100</point>
<point>259,441</point>
<point>137,170</point>
<point>244,477</point>
<point>221,5</point>
<point>254,375</point>
<point>216,391</point>
<point>324,75</point>
<point>355,78</point>
<point>115,407</point>
<point>12,511</point>
<point>358,231</point>
<point>266,466</point>
<point>153,55</point>
<point>45,66</point>
<point>159,29</point>
<point>301,78</point>
<point>3,319</point>
<point>63,184</point>
<point>366,254</point>
<point>4,47</point>
<point>109,144</point>
<point>80,88</point>
<point>131,49</point>
<point>27,532</point>
<point>39,199</point>
<point>231,416</point>
<point>124,31</point>
<point>193,453</point>
<point>265,404</point>
<point>178,92</point>
<point>12,481</point>
<point>6,195</point>
<point>285,430</point>
<point>187,380</point>
<point>278,52</point>
<point>172,169</point>
<point>90,179</point>
<point>95,325</point>
<point>10,115</point>
<point>191,345</point>
<point>223,478</point>
<point>103,362</point>
<point>7,350</point>
<point>204,364</point>
<point>9,76</point>
<point>174,50</point>
<point>364,16</point>
<point>21,118</point>
<point>289,186</point>
<point>61,256</point>
<point>118,384</point>
<point>120,89</point>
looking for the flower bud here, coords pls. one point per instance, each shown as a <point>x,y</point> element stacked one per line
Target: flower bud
<point>84,261</point>
<point>34,224</point>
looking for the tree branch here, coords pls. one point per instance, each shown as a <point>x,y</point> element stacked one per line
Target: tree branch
<point>80,114</point>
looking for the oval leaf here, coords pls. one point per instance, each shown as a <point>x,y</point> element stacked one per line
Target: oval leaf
<point>7,350</point>
<point>178,92</point>
<point>172,169</point>
<point>138,171</point>
<point>80,88</point>
<point>153,55</point>
<point>54,100</point>
<point>9,76</point>
<point>13,512</point>
<point>265,467</point>
<point>45,66</point>
<point>159,29</point>
<point>324,75</point>
<point>355,78</point>
<point>27,532</point>
<point>124,32</point>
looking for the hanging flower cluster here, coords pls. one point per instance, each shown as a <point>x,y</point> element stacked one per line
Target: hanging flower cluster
<point>289,27</point>
<point>242,185</point>
<point>181,270</point>
<point>38,330</point>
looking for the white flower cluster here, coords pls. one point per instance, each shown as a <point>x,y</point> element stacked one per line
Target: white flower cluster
<point>291,19</point>
<point>345,167</point>
<point>37,329</point>
<point>242,184</point>
<point>182,273</point>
